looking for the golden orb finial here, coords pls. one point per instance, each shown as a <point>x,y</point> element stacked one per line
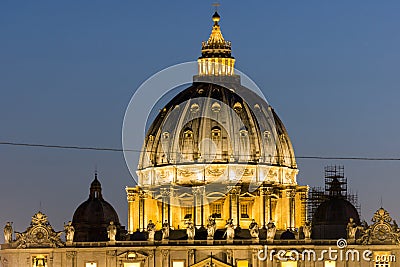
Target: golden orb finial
<point>216,18</point>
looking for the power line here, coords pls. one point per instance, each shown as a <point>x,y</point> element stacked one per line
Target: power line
<point>68,147</point>
<point>139,151</point>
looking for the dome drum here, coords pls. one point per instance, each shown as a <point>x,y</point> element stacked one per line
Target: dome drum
<point>196,174</point>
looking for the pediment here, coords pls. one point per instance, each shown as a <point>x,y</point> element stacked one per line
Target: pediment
<point>211,262</point>
<point>247,194</point>
<point>185,195</point>
<point>216,194</point>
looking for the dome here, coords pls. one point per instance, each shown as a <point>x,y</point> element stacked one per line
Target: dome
<point>211,123</point>
<point>331,218</point>
<point>93,216</point>
<point>216,130</point>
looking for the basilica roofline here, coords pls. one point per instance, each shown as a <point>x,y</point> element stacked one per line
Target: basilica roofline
<point>176,244</point>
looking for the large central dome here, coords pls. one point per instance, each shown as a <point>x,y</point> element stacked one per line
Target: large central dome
<point>216,129</point>
<point>216,149</point>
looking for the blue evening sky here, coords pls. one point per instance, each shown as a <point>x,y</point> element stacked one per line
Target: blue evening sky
<point>68,69</point>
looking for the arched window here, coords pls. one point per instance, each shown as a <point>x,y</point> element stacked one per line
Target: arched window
<point>237,107</point>
<point>188,133</point>
<point>243,131</point>
<point>165,135</point>
<point>216,133</point>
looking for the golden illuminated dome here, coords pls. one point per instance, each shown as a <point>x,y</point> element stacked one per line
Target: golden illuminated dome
<point>210,124</point>
<point>216,130</point>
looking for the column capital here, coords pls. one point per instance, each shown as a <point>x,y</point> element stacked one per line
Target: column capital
<point>131,197</point>
<point>71,254</point>
<point>234,189</point>
<point>165,253</point>
<point>165,192</point>
<point>112,253</point>
<point>290,193</point>
<point>198,190</point>
<point>266,190</point>
<point>144,194</point>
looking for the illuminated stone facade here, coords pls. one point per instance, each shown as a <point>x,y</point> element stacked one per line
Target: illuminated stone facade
<point>376,245</point>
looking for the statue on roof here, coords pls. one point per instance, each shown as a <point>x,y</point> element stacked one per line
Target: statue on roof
<point>351,229</point>
<point>307,230</point>
<point>190,230</point>
<point>211,227</point>
<point>271,230</point>
<point>151,230</point>
<point>8,233</point>
<point>230,230</point>
<point>112,231</point>
<point>165,230</point>
<point>254,229</point>
<point>69,232</point>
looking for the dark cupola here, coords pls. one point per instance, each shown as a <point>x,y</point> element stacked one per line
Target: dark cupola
<point>93,216</point>
<point>332,216</point>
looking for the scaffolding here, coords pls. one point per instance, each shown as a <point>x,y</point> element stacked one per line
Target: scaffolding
<point>335,186</point>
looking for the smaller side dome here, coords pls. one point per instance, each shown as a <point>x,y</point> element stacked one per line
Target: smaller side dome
<point>93,216</point>
<point>331,218</point>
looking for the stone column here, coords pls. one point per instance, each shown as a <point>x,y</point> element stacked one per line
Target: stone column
<point>290,194</point>
<point>151,259</point>
<point>165,257</point>
<point>71,258</point>
<point>266,212</point>
<point>263,207</point>
<point>191,259</point>
<point>111,258</point>
<point>198,206</point>
<point>234,193</point>
<point>131,198</point>
<point>50,263</point>
<point>229,256</point>
<point>141,211</point>
<point>254,258</point>
<point>166,211</point>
